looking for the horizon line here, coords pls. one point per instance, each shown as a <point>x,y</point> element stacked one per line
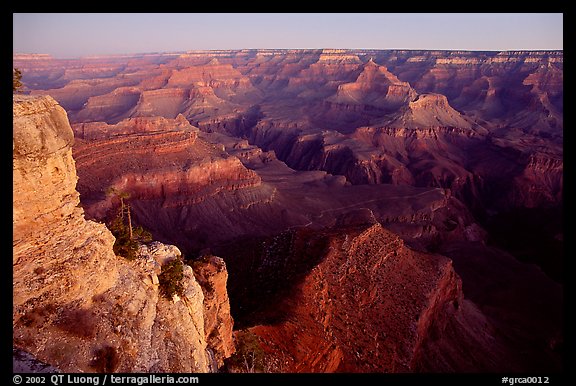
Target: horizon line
<point>181,52</point>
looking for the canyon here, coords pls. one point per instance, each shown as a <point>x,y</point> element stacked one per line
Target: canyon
<point>77,306</point>
<point>370,207</point>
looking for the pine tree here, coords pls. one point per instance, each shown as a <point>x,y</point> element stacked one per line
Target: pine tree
<point>124,208</point>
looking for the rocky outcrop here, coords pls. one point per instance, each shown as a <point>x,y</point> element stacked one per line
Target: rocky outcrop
<point>331,68</point>
<point>361,301</point>
<point>167,170</point>
<point>162,102</point>
<point>212,275</point>
<point>376,155</point>
<point>429,110</point>
<point>492,86</point>
<point>213,74</point>
<point>540,184</point>
<point>76,93</point>
<point>109,107</point>
<point>77,306</point>
<point>43,166</point>
<point>138,125</point>
<point>376,87</point>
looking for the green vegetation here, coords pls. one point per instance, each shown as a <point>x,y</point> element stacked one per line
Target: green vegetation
<point>123,246</point>
<point>249,356</point>
<point>127,238</point>
<point>124,208</point>
<point>16,80</point>
<point>171,278</point>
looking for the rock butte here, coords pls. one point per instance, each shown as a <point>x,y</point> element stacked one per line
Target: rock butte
<point>354,196</point>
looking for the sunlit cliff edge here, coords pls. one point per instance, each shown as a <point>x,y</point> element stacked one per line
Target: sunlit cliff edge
<point>77,306</point>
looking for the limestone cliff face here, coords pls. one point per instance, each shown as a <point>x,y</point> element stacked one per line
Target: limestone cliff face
<point>43,164</point>
<point>48,228</point>
<point>76,305</point>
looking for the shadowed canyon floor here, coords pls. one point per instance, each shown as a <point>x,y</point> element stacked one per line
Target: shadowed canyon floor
<point>372,207</point>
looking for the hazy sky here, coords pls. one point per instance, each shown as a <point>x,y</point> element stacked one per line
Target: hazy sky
<point>71,35</point>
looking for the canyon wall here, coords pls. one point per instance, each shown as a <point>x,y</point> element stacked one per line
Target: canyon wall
<point>76,305</point>
<point>262,156</point>
<point>308,106</point>
<point>360,301</point>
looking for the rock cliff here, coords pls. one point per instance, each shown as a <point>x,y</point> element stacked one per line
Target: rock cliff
<point>212,275</point>
<point>356,299</point>
<point>199,190</point>
<point>76,305</point>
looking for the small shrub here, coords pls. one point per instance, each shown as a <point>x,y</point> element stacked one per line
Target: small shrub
<point>249,356</point>
<point>124,245</point>
<point>171,277</point>
<point>142,235</point>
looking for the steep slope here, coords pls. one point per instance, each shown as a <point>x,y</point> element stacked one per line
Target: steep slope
<point>199,190</point>
<point>173,177</point>
<point>115,321</point>
<point>376,87</point>
<point>429,110</point>
<point>493,86</point>
<point>356,299</point>
<point>323,77</point>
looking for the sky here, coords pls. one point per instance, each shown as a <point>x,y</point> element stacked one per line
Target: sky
<point>70,35</point>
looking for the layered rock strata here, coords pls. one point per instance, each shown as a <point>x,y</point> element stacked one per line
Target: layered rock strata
<point>77,306</point>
